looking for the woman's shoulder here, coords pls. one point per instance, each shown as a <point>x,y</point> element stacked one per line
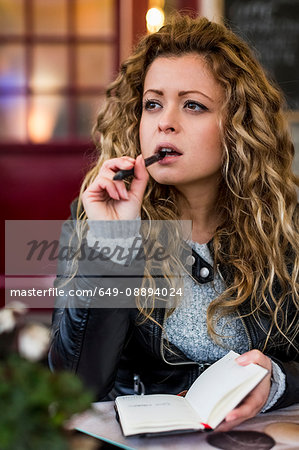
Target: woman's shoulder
<point>74,209</point>
<point>68,229</point>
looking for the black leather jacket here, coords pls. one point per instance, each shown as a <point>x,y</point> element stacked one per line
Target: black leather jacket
<point>115,355</point>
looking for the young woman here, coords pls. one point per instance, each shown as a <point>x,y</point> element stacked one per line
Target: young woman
<point>192,90</point>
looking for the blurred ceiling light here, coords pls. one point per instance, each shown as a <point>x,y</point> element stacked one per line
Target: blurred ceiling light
<point>156,4</point>
<point>154,19</point>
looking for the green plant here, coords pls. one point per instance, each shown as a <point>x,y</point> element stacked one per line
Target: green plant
<point>34,402</point>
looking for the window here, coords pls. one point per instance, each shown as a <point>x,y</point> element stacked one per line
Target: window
<point>57,57</point>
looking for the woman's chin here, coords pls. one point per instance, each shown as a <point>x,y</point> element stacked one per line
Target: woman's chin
<point>164,180</point>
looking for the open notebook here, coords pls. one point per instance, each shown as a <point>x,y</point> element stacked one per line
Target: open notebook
<point>218,390</point>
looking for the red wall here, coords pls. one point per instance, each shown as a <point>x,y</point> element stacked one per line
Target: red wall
<point>39,182</point>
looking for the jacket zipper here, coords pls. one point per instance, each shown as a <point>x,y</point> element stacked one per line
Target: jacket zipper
<point>139,388</point>
<point>162,352</point>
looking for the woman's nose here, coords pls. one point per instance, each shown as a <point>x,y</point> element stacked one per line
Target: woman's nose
<point>168,121</point>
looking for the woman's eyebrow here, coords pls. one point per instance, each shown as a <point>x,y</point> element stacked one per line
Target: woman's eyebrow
<point>155,91</point>
<point>181,93</point>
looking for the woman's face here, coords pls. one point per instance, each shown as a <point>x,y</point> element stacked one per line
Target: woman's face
<point>181,112</point>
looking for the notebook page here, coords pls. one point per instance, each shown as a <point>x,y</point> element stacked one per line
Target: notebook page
<point>214,383</point>
<point>155,412</point>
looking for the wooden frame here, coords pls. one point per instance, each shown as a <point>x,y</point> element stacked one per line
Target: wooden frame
<point>28,39</point>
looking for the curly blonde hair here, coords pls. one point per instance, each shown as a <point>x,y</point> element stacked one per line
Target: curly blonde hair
<point>258,235</point>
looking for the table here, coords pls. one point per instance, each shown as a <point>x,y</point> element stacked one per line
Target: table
<point>100,422</point>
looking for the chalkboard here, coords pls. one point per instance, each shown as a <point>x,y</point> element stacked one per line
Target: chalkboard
<point>271,27</point>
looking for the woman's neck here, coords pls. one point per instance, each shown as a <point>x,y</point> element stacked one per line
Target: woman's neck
<point>200,208</point>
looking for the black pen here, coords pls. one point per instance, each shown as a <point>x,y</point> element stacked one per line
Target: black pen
<point>122,174</point>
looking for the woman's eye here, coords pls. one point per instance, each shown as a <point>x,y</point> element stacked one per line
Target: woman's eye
<point>195,106</point>
<point>150,105</point>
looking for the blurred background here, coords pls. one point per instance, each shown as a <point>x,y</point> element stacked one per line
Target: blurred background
<point>56,59</point>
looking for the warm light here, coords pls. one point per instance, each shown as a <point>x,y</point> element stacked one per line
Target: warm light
<point>154,19</point>
<point>39,127</point>
<point>42,119</point>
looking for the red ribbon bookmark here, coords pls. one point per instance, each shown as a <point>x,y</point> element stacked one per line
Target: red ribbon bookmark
<point>207,427</point>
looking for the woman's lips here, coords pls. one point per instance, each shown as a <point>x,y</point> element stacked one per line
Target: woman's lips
<point>170,151</point>
<point>168,159</point>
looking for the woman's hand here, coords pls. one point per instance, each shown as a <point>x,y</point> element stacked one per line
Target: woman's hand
<point>106,199</point>
<point>255,400</point>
